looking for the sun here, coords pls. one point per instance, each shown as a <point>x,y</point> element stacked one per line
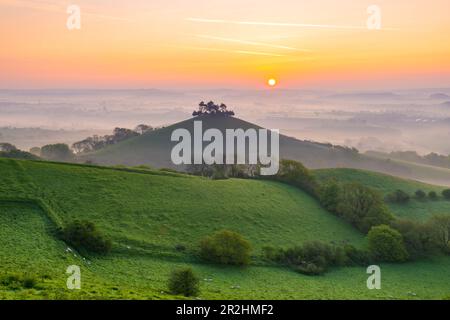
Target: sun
<point>272,82</point>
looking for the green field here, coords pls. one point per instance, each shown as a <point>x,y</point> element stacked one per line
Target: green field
<point>148,213</point>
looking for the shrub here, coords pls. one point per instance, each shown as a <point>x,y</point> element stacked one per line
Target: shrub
<point>294,173</point>
<point>432,195</point>
<point>386,244</point>
<point>226,247</point>
<point>83,235</point>
<point>329,195</point>
<point>184,282</point>
<point>356,257</point>
<point>362,207</point>
<point>17,281</point>
<point>417,237</point>
<point>446,194</point>
<point>440,226</point>
<point>313,258</point>
<point>398,196</point>
<point>420,194</point>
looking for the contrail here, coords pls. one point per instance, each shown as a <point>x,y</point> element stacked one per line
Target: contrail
<point>258,53</point>
<point>261,44</point>
<point>280,24</point>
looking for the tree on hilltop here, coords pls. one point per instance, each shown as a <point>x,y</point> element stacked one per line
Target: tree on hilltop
<point>212,108</point>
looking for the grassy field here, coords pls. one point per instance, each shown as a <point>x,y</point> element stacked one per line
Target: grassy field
<point>148,213</point>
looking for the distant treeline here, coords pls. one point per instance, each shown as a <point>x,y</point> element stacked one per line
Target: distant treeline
<point>432,159</point>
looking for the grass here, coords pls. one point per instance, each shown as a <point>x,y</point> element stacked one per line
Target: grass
<point>148,214</point>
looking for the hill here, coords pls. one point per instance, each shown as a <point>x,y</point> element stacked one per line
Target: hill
<point>154,149</point>
<point>148,214</point>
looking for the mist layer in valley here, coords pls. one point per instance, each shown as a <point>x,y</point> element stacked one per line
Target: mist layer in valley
<point>416,120</point>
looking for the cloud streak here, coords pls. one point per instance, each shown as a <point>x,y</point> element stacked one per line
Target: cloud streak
<point>252,43</point>
<point>281,24</point>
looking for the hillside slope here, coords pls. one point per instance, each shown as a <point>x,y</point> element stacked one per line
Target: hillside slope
<point>148,214</point>
<point>154,148</point>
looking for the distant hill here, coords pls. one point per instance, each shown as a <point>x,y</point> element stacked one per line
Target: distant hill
<point>439,96</point>
<point>154,149</point>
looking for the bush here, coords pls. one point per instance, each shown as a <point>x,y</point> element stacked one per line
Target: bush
<point>386,244</point>
<point>362,207</point>
<point>417,237</point>
<point>312,258</point>
<point>440,226</point>
<point>420,194</point>
<point>294,173</point>
<point>398,196</point>
<point>356,257</point>
<point>432,195</point>
<point>18,281</point>
<point>184,282</point>
<point>329,195</point>
<point>446,194</point>
<point>83,235</point>
<point>226,247</point>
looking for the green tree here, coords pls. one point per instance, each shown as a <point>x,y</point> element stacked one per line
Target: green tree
<point>184,282</point>
<point>226,247</point>
<point>386,244</point>
<point>362,207</point>
<point>440,225</point>
<point>57,152</point>
<point>420,194</point>
<point>446,194</point>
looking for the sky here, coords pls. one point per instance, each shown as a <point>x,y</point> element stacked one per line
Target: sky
<point>224,44</point>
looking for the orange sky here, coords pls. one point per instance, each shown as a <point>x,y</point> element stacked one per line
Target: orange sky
<point>218,43</point>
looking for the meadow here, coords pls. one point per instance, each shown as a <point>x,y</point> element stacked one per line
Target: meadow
<point>150,215</point>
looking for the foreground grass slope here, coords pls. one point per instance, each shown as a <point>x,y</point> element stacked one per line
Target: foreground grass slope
<point>148,214</point>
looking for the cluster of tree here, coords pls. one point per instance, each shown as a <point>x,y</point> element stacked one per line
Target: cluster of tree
<point>311,258</point>
<point>226,247</point>
<point>212,109</point>
<point>400,196</point>
<point>223,171</point>
<point>296,174</point>
<point>119,134</point>
<point>432,159</point>
<point>84,236</point>
<point>7,150</point>
<point>359,205</point>
<point>401,241</point>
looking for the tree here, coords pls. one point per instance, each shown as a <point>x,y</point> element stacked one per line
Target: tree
<point>386,244</point>
<point>446,194</point>
<point>362,207</point>
<point>226,247</point>
<point>418,237</point>
<point>84,235</point>
<point>57,152</point>
<point>296,174</point>
<point>36,151</point>
<point>432,195</point>
<point>329,195</point>
<point>184,282</point>
<point>143,128</point>
<point>7,147</point>
<point>440,225</point>
<point>420,194</point>
<point>212,109</point>
<point>398,196</point>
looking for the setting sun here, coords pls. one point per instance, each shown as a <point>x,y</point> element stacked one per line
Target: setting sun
<point>272,82</point>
